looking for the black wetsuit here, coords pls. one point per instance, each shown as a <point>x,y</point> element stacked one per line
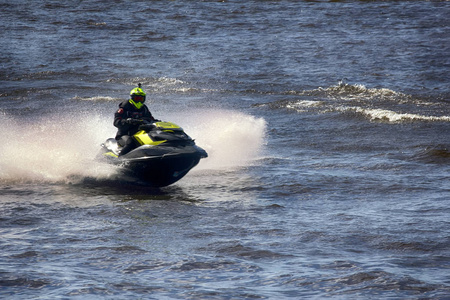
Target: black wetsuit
<point>127,129</point>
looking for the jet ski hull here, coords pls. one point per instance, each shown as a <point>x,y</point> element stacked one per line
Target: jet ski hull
<point>161,170</point>
<point>156,165</point>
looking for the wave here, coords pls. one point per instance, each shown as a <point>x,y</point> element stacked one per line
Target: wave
<point>373,114</point>
<point>438,154</point>
<point>149,82</point>
<point>162,85</point>
<point>97,99</point>
<point>344,92</point>
<point>303,105</point>
<point>375,104</point>
<point>391,116</point>
<point>354,92</point>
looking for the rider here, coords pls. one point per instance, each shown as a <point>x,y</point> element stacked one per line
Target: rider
<point>129,116</point>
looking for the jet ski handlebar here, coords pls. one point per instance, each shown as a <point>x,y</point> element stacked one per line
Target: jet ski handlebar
<point>146,125</point>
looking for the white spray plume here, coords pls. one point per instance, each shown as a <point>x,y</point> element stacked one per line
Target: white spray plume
<point>232,139</point>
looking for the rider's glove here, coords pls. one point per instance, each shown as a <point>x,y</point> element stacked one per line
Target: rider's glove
<point>131,121</point>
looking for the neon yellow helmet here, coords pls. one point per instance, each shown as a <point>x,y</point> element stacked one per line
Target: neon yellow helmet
<point>137,97</point>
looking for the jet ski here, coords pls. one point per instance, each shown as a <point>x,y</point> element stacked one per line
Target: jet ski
<point>164,154</point>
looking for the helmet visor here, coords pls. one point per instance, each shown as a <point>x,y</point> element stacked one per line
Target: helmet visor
<point>138,98</point>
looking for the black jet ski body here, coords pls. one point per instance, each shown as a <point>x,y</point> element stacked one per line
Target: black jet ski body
<point>164,154</point>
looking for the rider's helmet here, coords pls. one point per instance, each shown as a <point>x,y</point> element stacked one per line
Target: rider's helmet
<point>137,96</point>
